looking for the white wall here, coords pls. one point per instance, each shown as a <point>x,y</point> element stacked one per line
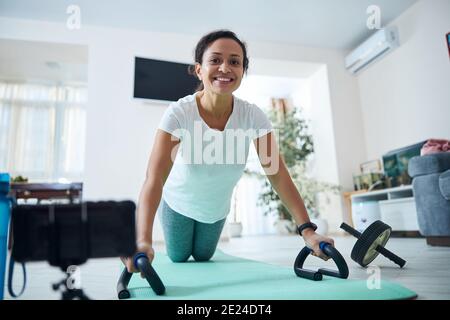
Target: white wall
<point>120,130</point>
<point>326,164</point>
<point>405,97</point>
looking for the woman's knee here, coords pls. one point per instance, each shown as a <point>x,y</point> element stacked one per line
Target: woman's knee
<point>202,256</point>
<point>206,238</point>
<point>178,257</point>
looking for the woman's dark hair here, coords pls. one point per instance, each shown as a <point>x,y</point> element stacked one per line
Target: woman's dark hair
<point>206,41</point>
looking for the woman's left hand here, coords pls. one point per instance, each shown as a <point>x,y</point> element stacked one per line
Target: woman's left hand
<point>313,240</point>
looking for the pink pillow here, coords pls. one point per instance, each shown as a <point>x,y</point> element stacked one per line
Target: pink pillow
<point>435,146</point>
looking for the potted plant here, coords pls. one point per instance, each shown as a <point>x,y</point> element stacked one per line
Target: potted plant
<point>234,226</point>
<point>296,145</point>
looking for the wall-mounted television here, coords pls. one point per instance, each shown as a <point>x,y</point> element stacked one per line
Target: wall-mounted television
<point>162,80</point>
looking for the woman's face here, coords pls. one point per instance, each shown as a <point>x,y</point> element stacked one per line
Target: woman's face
<point>222,69</point>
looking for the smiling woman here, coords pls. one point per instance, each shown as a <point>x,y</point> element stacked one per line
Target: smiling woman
<point>196,195</point>
<point>213,54</point>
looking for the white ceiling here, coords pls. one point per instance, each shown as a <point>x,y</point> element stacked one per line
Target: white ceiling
<point>43,62</point>
<point>317,23</point>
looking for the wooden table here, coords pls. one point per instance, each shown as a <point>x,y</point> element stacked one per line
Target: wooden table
<point>47,191</point>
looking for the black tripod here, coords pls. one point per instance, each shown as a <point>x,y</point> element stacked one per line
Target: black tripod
<point>66,292</point>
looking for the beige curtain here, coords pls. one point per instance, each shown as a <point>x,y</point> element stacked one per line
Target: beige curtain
<point>42,130</point>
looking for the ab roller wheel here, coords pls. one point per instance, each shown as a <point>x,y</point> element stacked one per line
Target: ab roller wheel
<point>371,243</point>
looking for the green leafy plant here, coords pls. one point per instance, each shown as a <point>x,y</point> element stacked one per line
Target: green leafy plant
<point>296,145</point>
<point>19,179</point>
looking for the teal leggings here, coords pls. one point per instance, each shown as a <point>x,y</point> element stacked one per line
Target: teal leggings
<point>185,236</point>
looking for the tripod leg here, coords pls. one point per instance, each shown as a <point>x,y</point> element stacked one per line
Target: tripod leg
<point>83,296</point>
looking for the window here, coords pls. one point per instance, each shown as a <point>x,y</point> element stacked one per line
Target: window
<point>42,131</point>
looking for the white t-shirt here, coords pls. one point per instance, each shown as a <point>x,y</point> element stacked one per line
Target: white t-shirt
<point>209,162</point>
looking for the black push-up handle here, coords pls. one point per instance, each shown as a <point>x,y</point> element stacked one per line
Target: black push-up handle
<point>330,251</point>
<point>143,265</point>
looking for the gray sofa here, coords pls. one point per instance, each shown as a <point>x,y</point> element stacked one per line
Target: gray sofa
<point>431,185</point>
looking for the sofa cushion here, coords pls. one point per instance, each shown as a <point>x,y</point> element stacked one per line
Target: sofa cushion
<point>433,210</point>
<point>428,164</point>
<point>444,184</point>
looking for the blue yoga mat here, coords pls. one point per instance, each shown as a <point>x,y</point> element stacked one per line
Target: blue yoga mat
<point>227,277</point>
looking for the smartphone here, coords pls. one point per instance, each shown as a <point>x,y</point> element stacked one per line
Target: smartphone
<point>70,234</point>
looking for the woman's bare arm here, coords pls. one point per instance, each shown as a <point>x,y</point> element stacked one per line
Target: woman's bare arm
<point>160,163</point>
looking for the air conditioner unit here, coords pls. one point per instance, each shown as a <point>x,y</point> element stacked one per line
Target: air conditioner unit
<point>377,46</point>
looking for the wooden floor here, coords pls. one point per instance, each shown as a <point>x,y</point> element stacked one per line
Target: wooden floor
<point>427,271</point>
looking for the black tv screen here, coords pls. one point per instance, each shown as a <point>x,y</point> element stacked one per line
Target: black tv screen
<point>162,80</point>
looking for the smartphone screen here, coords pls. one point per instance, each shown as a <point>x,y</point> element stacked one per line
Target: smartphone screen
<point>66,234</point>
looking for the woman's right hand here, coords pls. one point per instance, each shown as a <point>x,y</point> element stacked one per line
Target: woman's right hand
<point>144,247</point>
